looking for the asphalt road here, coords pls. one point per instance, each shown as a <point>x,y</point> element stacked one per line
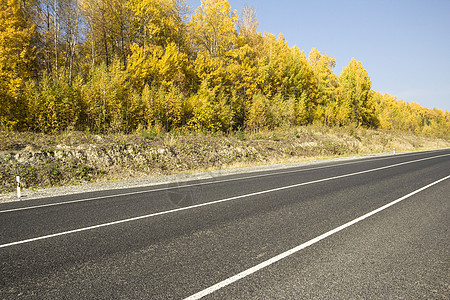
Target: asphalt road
<point>276,234</point>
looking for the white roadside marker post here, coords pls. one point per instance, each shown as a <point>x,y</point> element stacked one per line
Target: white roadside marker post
<point>394,150</point>
<point>18,186</point>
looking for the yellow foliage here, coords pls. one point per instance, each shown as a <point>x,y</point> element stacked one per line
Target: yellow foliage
<point>158,22</point>
<point>164,108</point>
<point>213,28</point>
<point>158,67</point>
<point>209,110</point>
<point>271,113</point>
<point>326,83</point>
<point>142,64</point>
<point>258,114</point>
<point>105,98</point>
<point>355,99</point>
<point>16,57</point>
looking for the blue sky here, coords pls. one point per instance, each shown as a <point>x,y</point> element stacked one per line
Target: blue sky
<point>403,44</point>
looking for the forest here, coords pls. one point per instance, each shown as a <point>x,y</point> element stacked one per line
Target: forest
<point>120,66</point>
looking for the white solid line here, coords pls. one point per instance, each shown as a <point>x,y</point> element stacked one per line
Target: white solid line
<point>200,184</point>
<point>283,255</point>
<point>211,203</point>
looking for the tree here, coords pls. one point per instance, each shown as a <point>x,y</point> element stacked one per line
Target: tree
<point>326,81</point>
<point>355,99</point>
<point>71,21</point>
<point>248,25</point>
<point>301,86</point>
<point>272,66</point>
<point>109,34</point>
<point>159,55</point>
<point>159,67</point>
<point>58,24</point>
<point>259,112</point>
<point>105,99</point>
<point>159,23</point>
<point>17,55</point>
<point>209,110</point>
<point>213,28</point>
<point>382,111</point>
<point>53,105</point>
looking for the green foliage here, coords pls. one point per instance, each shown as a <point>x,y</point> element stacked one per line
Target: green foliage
<point>149,134</point>
<point>239,134</point>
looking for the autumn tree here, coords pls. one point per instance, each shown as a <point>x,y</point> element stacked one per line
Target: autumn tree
<point>53,105</point>
<point>271,64</point>
<point>213,36</point>
<point>301,87</point>
<point>213,28</point>
<point>119,65</point>
<point>355,100</point>
<point>17,54</point>
<point>58,25</point>
<point>70,15</point>
<point>158,67</point>
<point>209,110</point>
<point>326,82</point>
<point>163,107</point>
<point>382,110</point>
<point>108,35</point>
<point>159,23</point>
<point>159,54</point>
<point>240,68</point>
<point>248,25</point>
<point>105,99</point>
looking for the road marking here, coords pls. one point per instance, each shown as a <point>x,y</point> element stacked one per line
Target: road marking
<point>294,250</point>
<point>200,184</point>
<point>212,202</point>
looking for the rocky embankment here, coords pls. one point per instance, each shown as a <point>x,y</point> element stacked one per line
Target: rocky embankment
<point>44,161</point>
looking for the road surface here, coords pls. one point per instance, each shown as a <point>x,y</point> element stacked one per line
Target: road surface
<point>366,228</point>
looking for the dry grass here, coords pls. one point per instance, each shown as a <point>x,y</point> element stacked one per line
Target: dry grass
<point>76,157</point>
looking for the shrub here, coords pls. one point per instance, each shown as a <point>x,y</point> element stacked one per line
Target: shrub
<point>259,112</point>
<point>53,105</point>
<point>105,99</point>
<point>208,111</point>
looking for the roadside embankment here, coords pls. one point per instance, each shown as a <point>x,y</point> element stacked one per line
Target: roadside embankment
<point>74,158</point>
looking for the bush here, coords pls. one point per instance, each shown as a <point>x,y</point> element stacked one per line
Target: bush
<point>164,107</point>
<point>53,105</point>
<point>105,100</point>
<point>208,111</point>
<point>259,112</point>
